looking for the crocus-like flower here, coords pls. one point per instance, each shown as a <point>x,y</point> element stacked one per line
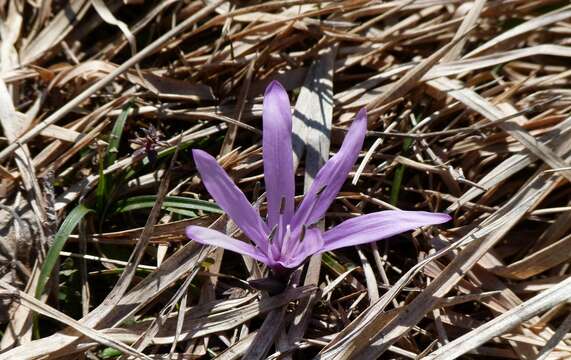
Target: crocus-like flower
<point>288,236</point>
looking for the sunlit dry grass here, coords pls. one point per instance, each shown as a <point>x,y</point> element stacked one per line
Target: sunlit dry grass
<point>469,113</point>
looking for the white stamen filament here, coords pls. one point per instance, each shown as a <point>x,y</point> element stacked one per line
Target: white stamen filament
<point>271,244</point>
<point>299,243</point>
<point>286,239</point>
<point>281,222</point>
<point>272,234</point>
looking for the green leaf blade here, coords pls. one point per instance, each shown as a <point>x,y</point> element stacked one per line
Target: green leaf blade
<point>66,228</point>
<point>171,202</point>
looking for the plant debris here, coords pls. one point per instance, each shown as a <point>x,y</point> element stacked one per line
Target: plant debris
<point>469,114</point>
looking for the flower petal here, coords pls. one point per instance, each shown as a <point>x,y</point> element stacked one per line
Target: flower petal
<point>230,198</point>
<point>278,155</point>
<point>312,243</point>
<point>332,175</point>
<point>208,236</point>
<point>378,226</point>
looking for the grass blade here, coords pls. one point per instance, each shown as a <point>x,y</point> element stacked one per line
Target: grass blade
<point>68,225</point>
<point>171,202</point>
<point>103,190</point>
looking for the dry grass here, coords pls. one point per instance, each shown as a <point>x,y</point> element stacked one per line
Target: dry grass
<point>470,113</point>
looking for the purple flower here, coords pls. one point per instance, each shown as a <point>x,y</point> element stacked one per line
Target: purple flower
<point>288,236</point>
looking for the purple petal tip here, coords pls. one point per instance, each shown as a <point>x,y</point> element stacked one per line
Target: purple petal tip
<point>429,218</point>
<point>198,153</point>
<point>274,85</point>
<point>360,121</point>
<point>188,231</point>
<point>444,217</point>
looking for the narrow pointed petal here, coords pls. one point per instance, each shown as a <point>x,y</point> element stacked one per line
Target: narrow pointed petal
<point>377,226</point>
<point>332,175</point>
<point>312,243</point>
<point>208,236</point>
<point>230,198</point>
<point>277,150</point>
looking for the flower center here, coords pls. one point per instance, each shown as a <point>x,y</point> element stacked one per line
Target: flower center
<point>282,240</point>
